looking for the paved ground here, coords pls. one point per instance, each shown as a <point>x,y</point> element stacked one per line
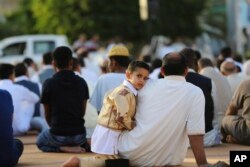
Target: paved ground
<point>32,157</point>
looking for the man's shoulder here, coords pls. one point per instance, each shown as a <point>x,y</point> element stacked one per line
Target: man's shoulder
<point>4,93</point>
<point>112,76</point>
<point>193,88</point>
<point>195,77</point>
<point>20,88</point>
<point>27,82</point>
<point>244,86</point>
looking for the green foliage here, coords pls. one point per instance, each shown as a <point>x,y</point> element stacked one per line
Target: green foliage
<point>215,16</point>
<point>179,17</point>
<point>68,17</point>
<point>114,17</point>
<point>107,18</point>
<point>20,21</point>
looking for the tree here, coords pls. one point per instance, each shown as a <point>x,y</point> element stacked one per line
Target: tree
<point>214,18</point>
<point>20,21</point>
<point>114,17</point>
<point>108,18</point>
<point>70,17</point>
<point>178,18</point>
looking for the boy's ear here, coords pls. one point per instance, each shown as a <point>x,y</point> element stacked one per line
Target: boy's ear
<point>127,73</point>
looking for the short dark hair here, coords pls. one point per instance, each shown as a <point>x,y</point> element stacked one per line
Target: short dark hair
<point>47,58</point>
<point>174,64</point>
<point>190,57</point>
<point>28,61</point>
<point>226,52</point>
<point>147,58</point>
<point>123,61</point>
<point>137,64</point>
<point>198,54</point>
<point>6,70</point>
<point>20,69</point>
<point>205,62</point>
<point>62,55</point>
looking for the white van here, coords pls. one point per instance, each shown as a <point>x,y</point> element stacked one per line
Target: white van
<point>15,49</point>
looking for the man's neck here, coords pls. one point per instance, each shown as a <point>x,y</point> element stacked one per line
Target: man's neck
<point>63,69</point>
<point>120,70</point>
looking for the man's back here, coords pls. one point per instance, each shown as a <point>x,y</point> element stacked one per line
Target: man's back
<point>65,93</point>
<point>223,92</point>
<point>33,87</point>
<point>105,83</point>
<point>235,80</point>
<point>22,99</point>
<point>168,110</point>
<point>205,84</point>
<point>45,74</point>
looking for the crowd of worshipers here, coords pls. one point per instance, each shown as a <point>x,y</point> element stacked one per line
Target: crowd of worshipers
<point>187,99</point>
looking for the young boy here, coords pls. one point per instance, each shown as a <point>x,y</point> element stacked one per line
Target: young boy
<point>118,110</point>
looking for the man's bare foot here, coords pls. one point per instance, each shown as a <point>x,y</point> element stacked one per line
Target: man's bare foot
<point>72,162</point>
<point>231,139</point>
<point>72,149</point>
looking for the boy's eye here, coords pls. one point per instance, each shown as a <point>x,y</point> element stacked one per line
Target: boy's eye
<point>139,75</point>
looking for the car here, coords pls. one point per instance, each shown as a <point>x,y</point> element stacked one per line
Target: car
<point>15,49</point>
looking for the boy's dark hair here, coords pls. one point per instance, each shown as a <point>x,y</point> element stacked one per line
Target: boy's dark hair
<point>123,61</point>
<point>62,56</point>
<point>20,69</point>
<point>47,58</point>
<point>174,64</point>
<point>6,70</point>
<point>137,64</point>
<point>28,61</point>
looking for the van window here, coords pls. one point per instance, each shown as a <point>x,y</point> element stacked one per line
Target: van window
<point>41,47</point>
<point>15,49</point>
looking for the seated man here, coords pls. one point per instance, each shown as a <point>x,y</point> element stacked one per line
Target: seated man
<point>22,78</point>
<point>64,97</point>
<point>236,124</point>
<point>11,149</point>
<point>22,98</point>
<point>170,115</point>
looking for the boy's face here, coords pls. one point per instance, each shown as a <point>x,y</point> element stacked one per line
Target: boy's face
<point>138,77</point>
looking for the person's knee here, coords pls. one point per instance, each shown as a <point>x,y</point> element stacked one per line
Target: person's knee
<point>19,145</point>
<point>42,140</point>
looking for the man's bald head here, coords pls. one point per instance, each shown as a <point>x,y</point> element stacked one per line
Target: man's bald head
<point>174,64</point>
<point>228,67</point>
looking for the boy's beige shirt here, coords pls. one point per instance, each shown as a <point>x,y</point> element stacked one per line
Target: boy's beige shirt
<point>118,109</point>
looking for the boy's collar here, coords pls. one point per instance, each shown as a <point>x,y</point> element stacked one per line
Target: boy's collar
<point>130,86</point>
